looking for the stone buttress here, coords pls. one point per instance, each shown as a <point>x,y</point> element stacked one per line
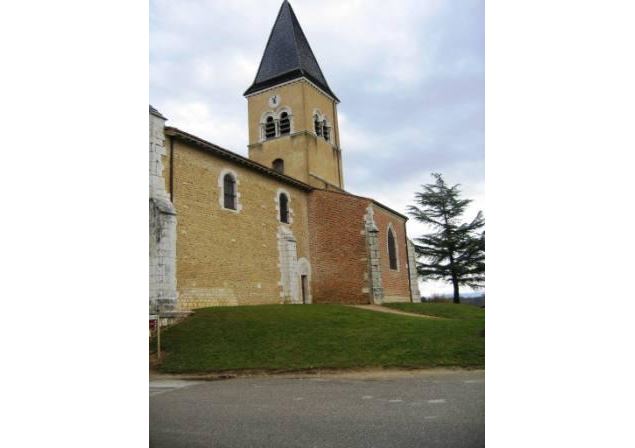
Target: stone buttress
<point>162,242</point>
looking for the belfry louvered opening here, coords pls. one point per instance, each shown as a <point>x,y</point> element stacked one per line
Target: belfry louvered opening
<point>318,126</point>
<point>270,128</point>
<point>285,123</point>
<point>325,130</point>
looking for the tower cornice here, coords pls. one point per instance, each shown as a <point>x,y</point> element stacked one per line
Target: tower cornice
<point>292,81</point>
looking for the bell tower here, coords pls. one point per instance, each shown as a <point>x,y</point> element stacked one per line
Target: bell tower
<point>292,111</point>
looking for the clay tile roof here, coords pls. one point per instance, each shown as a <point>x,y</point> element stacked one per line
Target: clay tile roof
<point>288,56</point>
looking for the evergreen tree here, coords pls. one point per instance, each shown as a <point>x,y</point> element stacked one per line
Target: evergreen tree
<point>454,251</point>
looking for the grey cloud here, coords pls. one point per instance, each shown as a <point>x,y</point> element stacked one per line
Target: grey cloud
<point>430,119</point>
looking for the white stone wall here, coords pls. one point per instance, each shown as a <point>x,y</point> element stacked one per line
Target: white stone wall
<point>415,295</point>
<point>290,291</point>
<point>157,150</point>
<point>217,296</point>
<point>162,243</point>
<point>304,268</point>
<point>374,268</point>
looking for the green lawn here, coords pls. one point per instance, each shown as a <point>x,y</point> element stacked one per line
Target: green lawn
<point>297,337</point>
<point>449,310</point>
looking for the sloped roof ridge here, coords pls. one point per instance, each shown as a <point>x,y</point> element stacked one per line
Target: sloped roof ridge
<point>374,201</point>
<point>231,155</point>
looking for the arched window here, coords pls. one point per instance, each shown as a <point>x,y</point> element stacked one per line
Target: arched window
<point>325,131</point>
<point>392,250</point>
<point>318,125</point>
<point>270,128</point>
<point>229,190</point>
<point>278,165</point>
<point>285,123</point>
<point>283,202</point>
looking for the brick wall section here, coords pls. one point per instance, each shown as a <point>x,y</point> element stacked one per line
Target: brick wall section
<point>224,257</point>
<point>395,282</point>
<point>338,248</point>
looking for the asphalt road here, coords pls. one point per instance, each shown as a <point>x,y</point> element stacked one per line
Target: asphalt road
<point>398,409</point>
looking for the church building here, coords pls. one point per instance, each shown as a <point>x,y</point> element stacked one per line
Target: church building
<point>279,226</point>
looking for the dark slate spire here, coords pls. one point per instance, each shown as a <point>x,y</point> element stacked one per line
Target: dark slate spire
<point>288,55</point>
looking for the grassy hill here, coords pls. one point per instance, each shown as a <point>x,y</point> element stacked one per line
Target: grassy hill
<point>298,337</point>
<point>447,310</point>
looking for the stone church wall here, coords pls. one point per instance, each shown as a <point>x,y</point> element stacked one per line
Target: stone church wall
<point>231,257</point>
<point>291,97</point>
<point>415,295</point>
<point>290,149</point>
<point>306,157</point>
<point>338,248</point>
<point>162,243</point>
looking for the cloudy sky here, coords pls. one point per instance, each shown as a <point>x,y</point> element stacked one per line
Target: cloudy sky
<point>409,74</point>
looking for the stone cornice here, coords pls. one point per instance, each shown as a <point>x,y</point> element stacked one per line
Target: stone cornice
<point>294,134</point>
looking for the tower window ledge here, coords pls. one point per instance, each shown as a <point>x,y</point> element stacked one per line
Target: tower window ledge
<point>277,137</point>
<point>320,138</point>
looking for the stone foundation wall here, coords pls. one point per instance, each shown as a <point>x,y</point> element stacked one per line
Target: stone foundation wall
<point>229,257</point>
